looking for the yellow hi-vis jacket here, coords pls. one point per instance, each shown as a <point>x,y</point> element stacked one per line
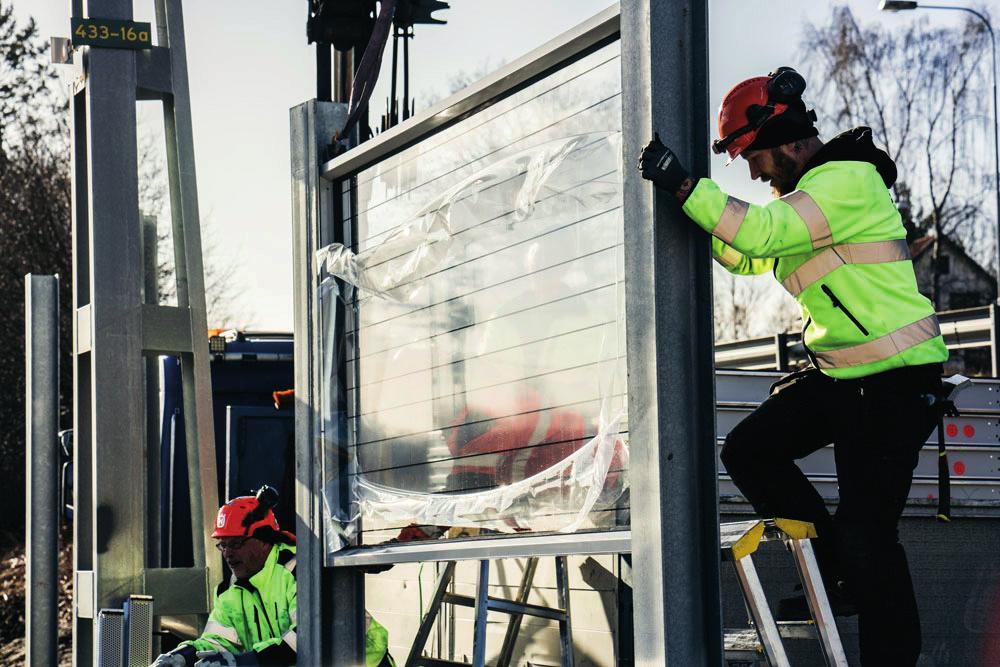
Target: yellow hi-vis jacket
<point>256,614</point>
<point>259,614</point>
<point>837,244</point>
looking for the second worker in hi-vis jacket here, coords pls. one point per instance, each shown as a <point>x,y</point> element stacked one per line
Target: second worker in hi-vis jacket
<point>834,240</point>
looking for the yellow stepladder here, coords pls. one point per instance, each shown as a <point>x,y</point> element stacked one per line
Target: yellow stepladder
<point>763,641</point>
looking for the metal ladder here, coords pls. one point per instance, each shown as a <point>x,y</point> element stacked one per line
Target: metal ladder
<point>483,603</point>
<point>763,641</point>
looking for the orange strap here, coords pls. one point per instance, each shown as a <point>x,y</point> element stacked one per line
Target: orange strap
<point>283,398</point>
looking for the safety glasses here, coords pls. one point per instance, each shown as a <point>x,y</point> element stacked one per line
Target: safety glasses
<point>233,544</point>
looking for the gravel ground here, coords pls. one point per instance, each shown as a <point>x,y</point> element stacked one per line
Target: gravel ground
<point>12,605</point>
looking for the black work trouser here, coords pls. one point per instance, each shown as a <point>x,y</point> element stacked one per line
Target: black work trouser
<point>877,425</point>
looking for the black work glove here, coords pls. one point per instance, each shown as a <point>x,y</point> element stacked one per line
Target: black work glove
<point>659,164</point>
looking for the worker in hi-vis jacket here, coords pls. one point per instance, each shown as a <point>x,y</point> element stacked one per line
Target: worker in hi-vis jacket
<point>834,240</point>
<point>253,620</point>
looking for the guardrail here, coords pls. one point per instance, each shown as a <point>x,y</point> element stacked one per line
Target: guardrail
<point>972,439</point>
<point>969,328</point>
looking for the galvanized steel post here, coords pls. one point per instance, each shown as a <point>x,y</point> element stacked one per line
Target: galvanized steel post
<point>675,534</point>
<point>327,634</point>
<point>114,330</point>
<point>41,400</point>
<point>109,519</point>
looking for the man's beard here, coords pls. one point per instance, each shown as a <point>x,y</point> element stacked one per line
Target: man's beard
<point>786,174</point>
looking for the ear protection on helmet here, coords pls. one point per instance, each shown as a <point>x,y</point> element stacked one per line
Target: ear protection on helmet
<point>267,499</point>
<point>785,86</point>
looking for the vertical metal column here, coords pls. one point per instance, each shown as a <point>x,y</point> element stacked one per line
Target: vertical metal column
<point>995,339</point>
<point>109,522</point>
<point>567,659</point>
<point>675,534</point>
<point>325,635</point>
<point>481,611</point>
<point>83,636</point>
<point>199,428</point>
<point>781,351</point>
<point>150,296</point>
<point>41,394</point>
<point>117,329</point>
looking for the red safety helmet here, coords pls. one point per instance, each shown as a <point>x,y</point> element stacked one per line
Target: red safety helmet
<point>751,104</point>
<point>240,517</point>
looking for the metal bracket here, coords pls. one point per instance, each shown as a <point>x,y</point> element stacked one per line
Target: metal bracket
<point>154,73</point>
<point>60,51</point>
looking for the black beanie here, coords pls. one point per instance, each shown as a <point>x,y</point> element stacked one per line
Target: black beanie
<point>784,129</point>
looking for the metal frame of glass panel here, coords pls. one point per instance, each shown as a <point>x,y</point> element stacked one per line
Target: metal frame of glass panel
<point>542,76</point>
<point>557,55</point>
<point>669,337</point>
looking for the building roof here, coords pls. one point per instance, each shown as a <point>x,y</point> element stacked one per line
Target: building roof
<point>920,245</point>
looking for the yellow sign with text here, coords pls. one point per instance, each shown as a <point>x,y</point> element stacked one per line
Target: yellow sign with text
<point>111,33</point>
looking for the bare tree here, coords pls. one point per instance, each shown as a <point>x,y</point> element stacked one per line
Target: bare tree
<point>924,93</point>
<point>220,269</point>
<point>35,232</point>
<point>31,112</point>
<point>34,228</point>
<point>748,306</point>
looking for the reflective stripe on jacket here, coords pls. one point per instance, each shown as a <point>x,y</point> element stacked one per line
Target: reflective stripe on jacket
<point>838,245</point>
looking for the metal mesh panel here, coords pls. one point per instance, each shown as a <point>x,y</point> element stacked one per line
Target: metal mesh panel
<point>110,637</point>
<point>139,630</point>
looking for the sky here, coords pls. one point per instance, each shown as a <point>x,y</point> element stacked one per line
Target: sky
<point>249,63</point>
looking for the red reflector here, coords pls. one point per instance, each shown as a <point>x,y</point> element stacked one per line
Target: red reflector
<point>969,430</point>
<point>958,467</point>
<point>951,430</point>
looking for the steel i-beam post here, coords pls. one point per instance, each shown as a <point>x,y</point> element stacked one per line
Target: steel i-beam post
<point>325,635</point>
<point>109,520</point>
<point>675,534</point>
<point>41,356</point>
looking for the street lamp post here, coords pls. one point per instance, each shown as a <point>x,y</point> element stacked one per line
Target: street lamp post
<point>895,6</point>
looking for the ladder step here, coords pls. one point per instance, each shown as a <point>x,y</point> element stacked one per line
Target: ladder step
<point>732,532</point>
<point>508,607</point>
<point>741,647</point>
<point>747,637</point>
<point>797,629</point>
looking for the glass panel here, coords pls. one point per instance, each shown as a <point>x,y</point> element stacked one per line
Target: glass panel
<point>484,328</point>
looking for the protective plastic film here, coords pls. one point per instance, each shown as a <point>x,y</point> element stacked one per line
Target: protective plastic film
<point>474,378</point>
